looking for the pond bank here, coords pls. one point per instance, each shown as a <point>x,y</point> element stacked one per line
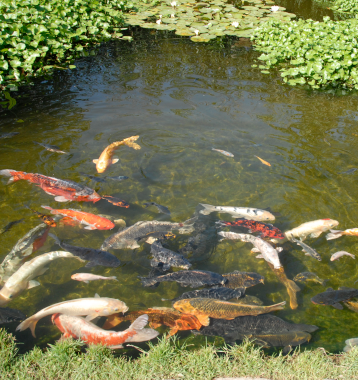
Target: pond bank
<point>170,360</point>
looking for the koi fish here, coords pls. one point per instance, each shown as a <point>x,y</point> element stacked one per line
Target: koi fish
<point>333,297</point>
<point>63,190</point>
<point>157,317</point>
<point>8,135</point>
<point>309,251</point>
<point>165,258</point>
<point>308,276</point>
<point>45,218</point>
<point>263,161</point>
<point>93,178</point>
<point>266,230</point>
<point>87,277</point>
<point>115,201</point>
<point>335,234</point>
<point>9,226</point>
<point>224,152</point>
<point>160,208</point>
<point>119,178</point>
<point>105,160</point>
<point>237,279</point>
<point>238,212</point>
<point>51,148</point>
<point>22,279</point>
<point>339,254</point>
<point>91,221</point>
<point>92,307</point>
<point>79,328</point>
<point>203,308</point>
<point>312,229</point>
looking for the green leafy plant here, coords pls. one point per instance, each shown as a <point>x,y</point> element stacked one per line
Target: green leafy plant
<point>37,36</point>
<point>309,52</point>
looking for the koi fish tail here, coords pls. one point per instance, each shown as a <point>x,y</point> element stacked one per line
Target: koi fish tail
<point>15,176</point>
<point>334,234</point>
<point>29,323</point>
<point>130,142</point>
<point>292,289</point>
<point>141,334</point>
<point>149,281</point>
<point>278,306</point>
<point>208,209</point>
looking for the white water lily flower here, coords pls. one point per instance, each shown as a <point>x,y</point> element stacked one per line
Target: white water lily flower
<point>159,22</point>
<point>173,4</point>
<point>196,31</point>
<point>172,15</point>
<point>274,8</point>
<point>235,24</point>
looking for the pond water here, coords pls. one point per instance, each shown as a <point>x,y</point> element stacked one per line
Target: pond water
<point>182,99</point>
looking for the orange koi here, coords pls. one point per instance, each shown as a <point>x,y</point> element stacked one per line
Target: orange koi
<point>263,161</point>
<point>79,328</point>
<point>63,190</point>
<point>105,159</point>
<point>115,201</point>
<point>91,221</point>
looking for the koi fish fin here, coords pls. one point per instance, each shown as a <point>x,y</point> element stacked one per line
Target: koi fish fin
<point>90,264</point>
<point>95,161</point>
<point>86,282</point>
<point>95,321</point>
<point>150,240</point>
<point>97,295</point>
<point>54,237</point>
<point>259,256</point>
<point>90,317</point>
<point>286,350</point>
<point>334,234</point>
<point>115,160</point>
<point>115,347</point>
<point>90,228</point>
<point>255,250</point>
<point>203,319</point>
<point>208,209</point>
<point>315,234</point>
<point>279,249</point>
<point>337,306</point>
<point>60,198</point>
<point>11,180</point>
<point>112,278</point>
<point>139,323</point>
<point>32,284</point>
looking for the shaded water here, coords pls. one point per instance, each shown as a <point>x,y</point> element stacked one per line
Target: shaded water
<point>183,99</point>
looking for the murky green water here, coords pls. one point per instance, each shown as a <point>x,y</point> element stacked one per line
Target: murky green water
<point>183,99</point>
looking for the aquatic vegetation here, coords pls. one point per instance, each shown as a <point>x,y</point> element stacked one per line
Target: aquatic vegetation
<point>38,36</point>
<point>318,54</point>
<point>347,6</point>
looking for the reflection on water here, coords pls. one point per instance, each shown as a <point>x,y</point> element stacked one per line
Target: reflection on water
<point>183,99</point>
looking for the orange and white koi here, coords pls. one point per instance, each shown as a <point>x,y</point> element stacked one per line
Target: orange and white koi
<point>224,152</point>
<point>335,234</point>
<point>79,328</point>
<point>105,160</point>
<point>91,221</point>
<point>63,190</point>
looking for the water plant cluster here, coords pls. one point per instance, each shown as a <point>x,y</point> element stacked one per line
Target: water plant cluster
<point>347,6</point>
<point>206,20</point>
<point>37,36</point>
<point>310,52</point>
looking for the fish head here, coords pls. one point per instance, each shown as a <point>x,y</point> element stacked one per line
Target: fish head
<point>8,294</point>
<point>102,165</point>
<point>266,215</point>
<point>330,223</point>
<point>184,306</point>
<point>115,306</point>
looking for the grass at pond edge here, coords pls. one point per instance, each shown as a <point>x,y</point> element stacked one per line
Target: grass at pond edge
<point>170,360</point>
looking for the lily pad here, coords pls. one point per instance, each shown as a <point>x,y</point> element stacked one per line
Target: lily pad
<point>149,25</point>
<point>184,32</point>
<point>208,36</point>
<point>200,39</point>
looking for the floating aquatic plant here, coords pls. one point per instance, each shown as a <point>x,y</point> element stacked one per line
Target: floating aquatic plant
<point>311,52</point>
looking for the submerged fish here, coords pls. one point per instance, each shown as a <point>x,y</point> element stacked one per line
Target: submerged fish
<point>93,178</point>
<point>160,208</point>
<point>27,245</point>
<point>167,258</point>
<point>335,234</point>
<point>152,237</point>
<point>119,178</point>
<point>223,294</point>
<point>8,315</point>
<point>308,276</point>
<point>115,201</point>
<point>332,297</point>
<point>51,148</point>
<point>350,343</point>
<point>224,152</point>
<point>105,160</point>
<point>349,171</point>
<point>87,277</point>
<point>91,221</point>
<point>339,254</point>
<point>93,256</point>
<point>266,230</point>
<point>92,307</point>
<point>263,161</point>
<point>238,279</point>
<point>22,279</point>
<point>240,327</point>
<point>8,135</point>
<point>312,229</point>
<point>238,212</point>
<point>203,308</point>
<point>10,225</point>
<point>267,251</point>
<point>192,278</point>
<point>45,218</point>
<point>157,317</point>
<point>286,340</point>
<point>352,305</point>
<point>63,190</point>
<point>307,249</point>
<point>129,236</point>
